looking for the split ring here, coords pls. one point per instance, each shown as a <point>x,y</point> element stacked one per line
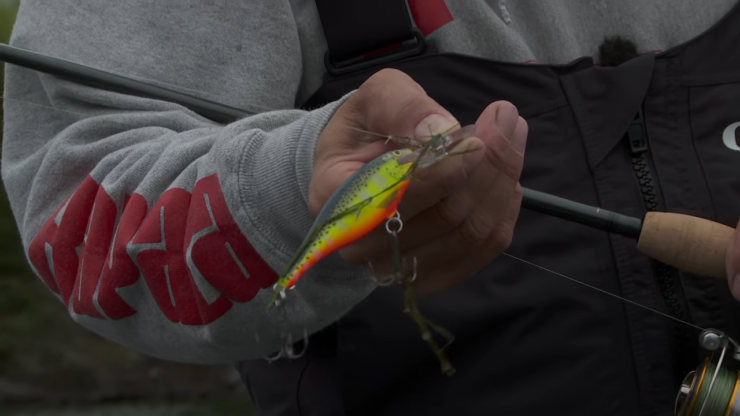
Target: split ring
<point>396,218</point>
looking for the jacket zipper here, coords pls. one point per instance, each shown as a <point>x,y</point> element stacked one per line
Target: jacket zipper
<point>639,153</point>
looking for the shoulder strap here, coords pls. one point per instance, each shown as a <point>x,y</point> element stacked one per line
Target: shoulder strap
<point>355,28</point>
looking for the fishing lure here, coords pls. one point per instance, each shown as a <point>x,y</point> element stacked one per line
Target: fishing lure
<point>366,199</point>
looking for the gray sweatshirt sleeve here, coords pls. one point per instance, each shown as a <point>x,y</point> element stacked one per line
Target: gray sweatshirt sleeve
<point>157,228</point>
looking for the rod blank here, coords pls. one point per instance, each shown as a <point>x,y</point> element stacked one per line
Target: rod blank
<point>83,74</point>
<point>583,214</point>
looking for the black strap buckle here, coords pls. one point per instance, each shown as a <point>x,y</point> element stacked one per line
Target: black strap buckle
<point>383,58</point>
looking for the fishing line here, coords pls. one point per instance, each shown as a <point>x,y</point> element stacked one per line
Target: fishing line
<point>603,291</point>
<point>722,390</point>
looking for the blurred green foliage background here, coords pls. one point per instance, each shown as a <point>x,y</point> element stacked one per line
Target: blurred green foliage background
<point>50,365</point>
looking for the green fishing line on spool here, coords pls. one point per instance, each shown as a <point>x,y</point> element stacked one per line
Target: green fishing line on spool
<point>722,390</point>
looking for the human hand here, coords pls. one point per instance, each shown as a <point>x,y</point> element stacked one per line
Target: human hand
<point>461,214</point>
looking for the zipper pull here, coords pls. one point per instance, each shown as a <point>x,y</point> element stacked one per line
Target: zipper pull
<point>637,135</point>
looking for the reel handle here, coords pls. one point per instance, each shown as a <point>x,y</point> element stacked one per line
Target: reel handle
<point>689,243</point>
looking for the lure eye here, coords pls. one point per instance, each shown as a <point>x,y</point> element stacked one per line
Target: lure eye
<point>396,153</point>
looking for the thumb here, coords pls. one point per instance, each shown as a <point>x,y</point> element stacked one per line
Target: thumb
<point>389,103</point>
<point>392,103</point>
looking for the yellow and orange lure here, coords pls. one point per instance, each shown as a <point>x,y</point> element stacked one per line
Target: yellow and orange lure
<point>366,199</point>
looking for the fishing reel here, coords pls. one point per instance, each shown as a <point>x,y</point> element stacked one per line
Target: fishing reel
<point>712,390</point>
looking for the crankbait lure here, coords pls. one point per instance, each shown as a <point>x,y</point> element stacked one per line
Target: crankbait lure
<point>367,198</point>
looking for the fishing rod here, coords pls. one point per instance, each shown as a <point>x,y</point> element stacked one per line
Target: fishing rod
<point>690,243</point>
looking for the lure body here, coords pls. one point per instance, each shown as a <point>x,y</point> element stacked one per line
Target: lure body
<point>366,199</point>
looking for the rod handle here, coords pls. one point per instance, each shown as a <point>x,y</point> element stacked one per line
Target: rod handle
<point>692,244</point>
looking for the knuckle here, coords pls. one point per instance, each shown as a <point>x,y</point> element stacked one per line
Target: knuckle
<point>387,73</point>
<point>501,156</point>
<point>392,100</point>
<point>478,228</point>
<point>450,212</point>
<point>385,82</point>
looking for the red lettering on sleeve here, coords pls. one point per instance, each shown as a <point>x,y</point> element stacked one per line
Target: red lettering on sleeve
<point>178,227</point>
<point>161,259</point>
<point>219,250</point>
<point>53,251</point>
<point>37,250</point>
<point>119,269</point>
<point>96,243</point>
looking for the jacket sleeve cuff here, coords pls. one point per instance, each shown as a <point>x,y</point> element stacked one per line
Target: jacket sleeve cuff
<point>274,180</point>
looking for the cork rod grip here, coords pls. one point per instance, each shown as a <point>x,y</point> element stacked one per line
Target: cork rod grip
<point>692,244</point>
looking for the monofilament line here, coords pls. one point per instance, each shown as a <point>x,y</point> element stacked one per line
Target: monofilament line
<point>604,291</point>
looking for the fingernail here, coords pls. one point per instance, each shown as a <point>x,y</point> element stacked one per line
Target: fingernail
<point>506,118</point>
<point>433,124</point>
<point>519,143</point>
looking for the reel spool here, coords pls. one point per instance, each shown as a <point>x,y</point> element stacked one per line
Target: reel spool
<point>712,390</point>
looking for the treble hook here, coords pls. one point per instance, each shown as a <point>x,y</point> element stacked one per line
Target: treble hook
<point>287,350</point>
<point>396,278</point>
<point>377,281</point>
<point>268,358</point>
<point>398,274</point>
<point>289,346</point>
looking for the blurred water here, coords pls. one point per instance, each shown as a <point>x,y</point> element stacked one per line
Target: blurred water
<point>196,408</point>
